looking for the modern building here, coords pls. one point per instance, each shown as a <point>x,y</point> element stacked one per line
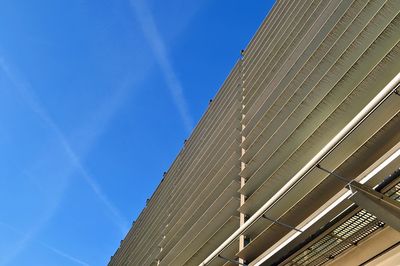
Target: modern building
<point>296,161</point>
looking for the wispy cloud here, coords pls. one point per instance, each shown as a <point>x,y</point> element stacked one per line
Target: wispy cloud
<point>27,94</point>
<point>151,32</point>
<point>47,246</point>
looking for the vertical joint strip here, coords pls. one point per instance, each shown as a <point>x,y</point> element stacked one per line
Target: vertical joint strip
<point>242,238</point>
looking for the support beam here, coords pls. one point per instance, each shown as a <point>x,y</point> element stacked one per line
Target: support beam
<point>383,207</point>
<point>380,205</point>
<point>232,261</point>
<point>341,178</point>
<point>282,224</point>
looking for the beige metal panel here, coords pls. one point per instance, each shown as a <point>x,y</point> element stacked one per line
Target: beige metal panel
<point>321,111</point>
<point>371,247</point>
<point>310,75</point>
<point>214,208</point>
<point>390,258</point>
<point>198,159</point>
<point>217,238</point>
<point>301,52</point>
<point>315,198</point>
<point>341,153</point>
<point>152,241</point>
<point>147,222</point>
<point>199,153</point>
<point>145,219</point>
<point>380,143</point>
<point>302,85</point>
<point>150,257</point>
<point>194,212</point>
<point>301,201</point>
<point>201,231</point>
<point>294,163</point>
<point>162,196</point>
<point>217,158</point>
<point>217,161</point>
<point>317,194</point>
<point>332,40</point>
<point>214,241</point>
<point>145,211</point>
<point>273,57</point>
<point>267,27</point>
<point>219,134</point>
<point>215,225</point>
<point>275,37</point>
<point>229,252</point>
<point>218,146</point>
<point>210,192</point>
<point>217,110</point>
<point>199,207</point>
<point>198,148</point>
<point>136,229</point>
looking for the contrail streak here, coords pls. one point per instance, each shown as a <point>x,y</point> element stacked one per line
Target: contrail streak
<point>63,254</point>
<point>51,248</point>
<point>150,30</point>
<point>34,104</point>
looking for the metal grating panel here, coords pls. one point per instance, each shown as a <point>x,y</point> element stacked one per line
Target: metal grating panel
<point>394,192</point>
<point>349,233</point>
<point>346,235</point>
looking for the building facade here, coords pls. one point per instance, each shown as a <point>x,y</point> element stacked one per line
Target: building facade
<point>296,160</point>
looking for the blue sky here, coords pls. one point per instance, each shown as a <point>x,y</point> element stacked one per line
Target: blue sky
<point>96,99</point>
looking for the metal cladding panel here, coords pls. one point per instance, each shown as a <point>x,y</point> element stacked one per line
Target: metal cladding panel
<point>198,186</point>
<point>310,97</point>
<point>311,67</point>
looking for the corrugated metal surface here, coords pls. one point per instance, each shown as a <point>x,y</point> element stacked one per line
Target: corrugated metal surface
<point>310,68</point>
<point>305,98</point>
